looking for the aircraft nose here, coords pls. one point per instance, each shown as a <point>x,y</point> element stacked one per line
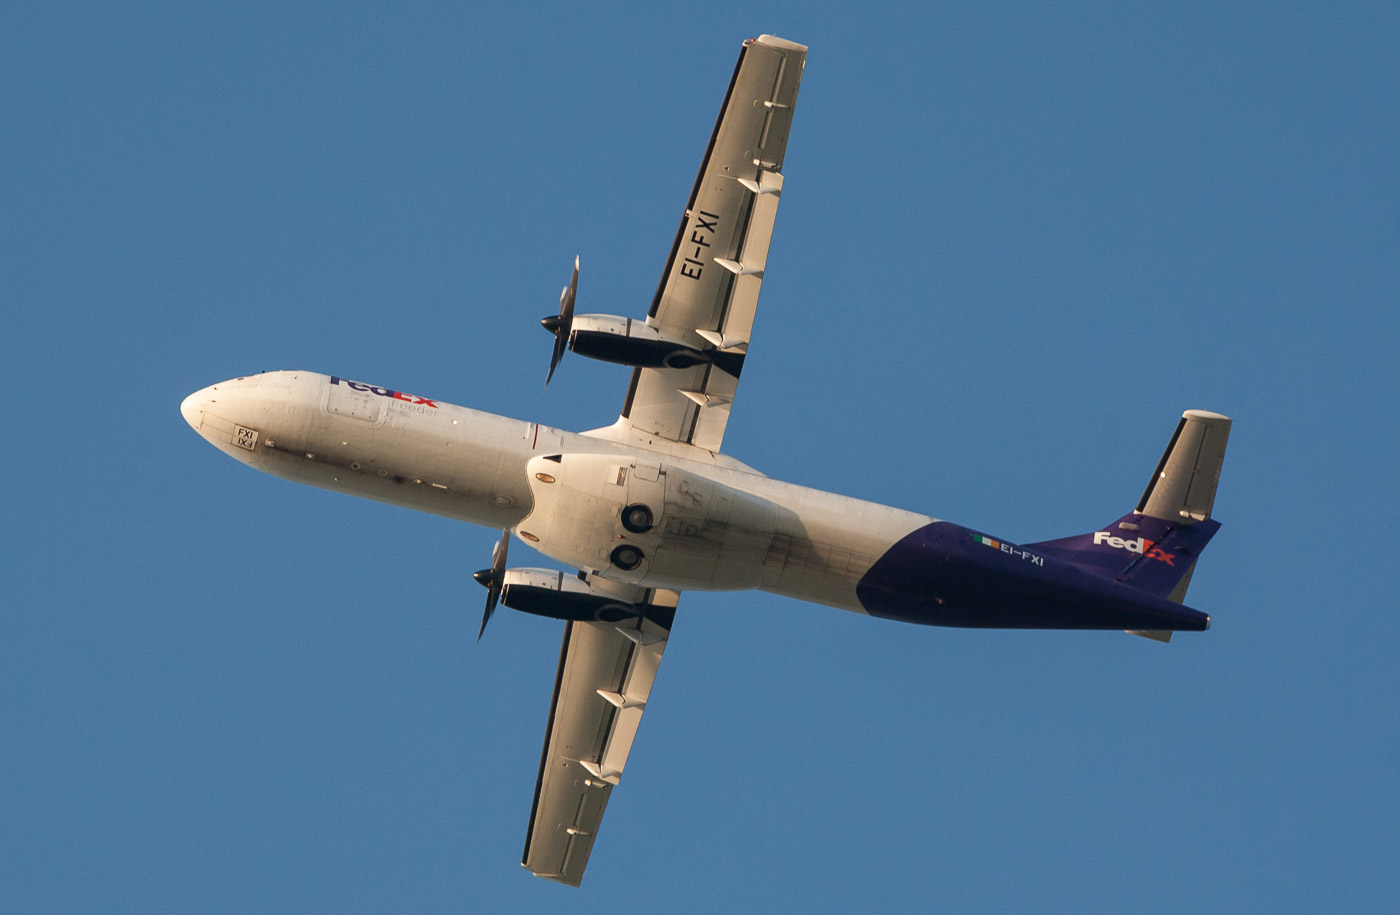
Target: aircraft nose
<point>192,409</point>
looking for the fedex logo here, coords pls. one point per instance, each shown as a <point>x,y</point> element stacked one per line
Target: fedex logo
<point>1136,545</point>
<point>383,392</point>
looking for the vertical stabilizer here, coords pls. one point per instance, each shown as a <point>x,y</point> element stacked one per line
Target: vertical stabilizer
<point>1183,488</point>
<point>1154,548</point>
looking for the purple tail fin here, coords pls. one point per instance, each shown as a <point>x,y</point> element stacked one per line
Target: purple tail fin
<point>1143,552</point>
<point>1154,548</point>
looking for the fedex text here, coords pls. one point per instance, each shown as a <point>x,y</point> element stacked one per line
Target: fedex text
<point>1139,545</point>
<point>383,392</point>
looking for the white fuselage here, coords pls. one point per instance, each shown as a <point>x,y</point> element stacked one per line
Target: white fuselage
<point>486,469</point>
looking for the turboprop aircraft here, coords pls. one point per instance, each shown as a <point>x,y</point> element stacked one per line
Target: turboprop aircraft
<point>650,506</point>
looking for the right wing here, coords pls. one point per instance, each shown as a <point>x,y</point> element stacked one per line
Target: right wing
<point>707,298</point>
<point>605,676</point>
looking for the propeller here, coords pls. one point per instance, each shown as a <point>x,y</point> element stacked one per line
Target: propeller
<point>561,324</point>
<point>492,579</point>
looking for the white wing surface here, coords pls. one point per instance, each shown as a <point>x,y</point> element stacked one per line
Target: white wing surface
<point>709,290</point>
<point>707,298</point>
<point>605,675</point>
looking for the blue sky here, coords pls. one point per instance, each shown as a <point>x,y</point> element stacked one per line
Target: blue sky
<point>1015,242</point>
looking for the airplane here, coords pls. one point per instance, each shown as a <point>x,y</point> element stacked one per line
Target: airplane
<point>650,506</point>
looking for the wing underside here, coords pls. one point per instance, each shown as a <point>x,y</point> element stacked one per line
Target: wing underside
<point>605,675</point>
<point>706,299</point>
<point>708,293</point>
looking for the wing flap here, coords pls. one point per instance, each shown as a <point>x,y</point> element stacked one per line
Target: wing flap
<point>606,671</point>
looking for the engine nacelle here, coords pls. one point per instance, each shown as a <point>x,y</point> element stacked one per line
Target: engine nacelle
<point>549,592</point>
<point>612,338</point>
<point>647,523</point>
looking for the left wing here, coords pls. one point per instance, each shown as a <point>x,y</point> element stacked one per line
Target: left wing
<point>708,292</point>
<point>707,299</point>
<point>605,675</point>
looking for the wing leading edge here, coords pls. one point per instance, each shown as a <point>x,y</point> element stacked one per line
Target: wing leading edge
<point>708,293</point>
<point>606,671</point>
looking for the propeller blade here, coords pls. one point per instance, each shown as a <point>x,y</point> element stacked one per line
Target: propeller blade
<point>560,344</point>
<point>562,324</point>
<point>490,609</point>
<point>493,579</point>
<point>566,300</point>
